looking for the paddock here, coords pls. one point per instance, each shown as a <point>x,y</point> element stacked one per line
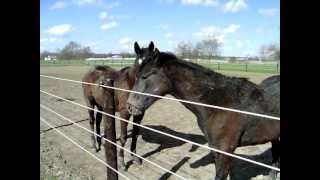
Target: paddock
<point>63,160</point>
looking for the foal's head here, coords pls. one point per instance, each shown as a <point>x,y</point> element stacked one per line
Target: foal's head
<point>150,79</point>
<point>144,53</point>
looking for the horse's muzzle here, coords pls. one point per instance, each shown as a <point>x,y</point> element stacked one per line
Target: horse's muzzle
<point>134,110</point>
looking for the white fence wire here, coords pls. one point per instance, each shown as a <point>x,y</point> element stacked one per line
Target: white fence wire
<point>75,143</point>
<point>166,134</point>
<point>174,99</point>
<point>115,144</point>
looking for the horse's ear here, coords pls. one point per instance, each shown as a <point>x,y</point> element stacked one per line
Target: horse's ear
<point>151,46</point>
<point>156,56</point>
<point>137,49</point>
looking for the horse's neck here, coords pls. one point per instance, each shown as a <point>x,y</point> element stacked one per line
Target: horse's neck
<point>184,86</point>
<point>199,87</point>
<point>132,76</point>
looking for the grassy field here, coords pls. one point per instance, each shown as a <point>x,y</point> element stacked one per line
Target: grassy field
<point>238,67</point>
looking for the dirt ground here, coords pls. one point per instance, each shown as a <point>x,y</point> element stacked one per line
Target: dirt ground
<point>60,159</point>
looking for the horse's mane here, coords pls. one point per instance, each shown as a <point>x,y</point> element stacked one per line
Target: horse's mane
<point>102,68</point>
<point>172,59</point>
<point>234,84</point>
<point>124,69</point>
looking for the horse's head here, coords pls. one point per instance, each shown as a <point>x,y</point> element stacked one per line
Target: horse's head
<point>150,79</point>
<point>143,54</point>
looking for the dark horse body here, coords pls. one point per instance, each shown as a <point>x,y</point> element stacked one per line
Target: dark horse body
<point>100,97</point>
<point>163,73</point>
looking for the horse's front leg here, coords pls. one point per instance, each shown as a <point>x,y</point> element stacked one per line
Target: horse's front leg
<point>275,149</point>
<point>123,136</point>
<point>98,122</point>
<point>135,133</point>
<point>225,139</point>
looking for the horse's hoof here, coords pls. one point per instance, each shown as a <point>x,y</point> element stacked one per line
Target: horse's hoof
<point>123,167</point>
<point>137,161</point>
<point>98,149</point>
<point>273,175</point>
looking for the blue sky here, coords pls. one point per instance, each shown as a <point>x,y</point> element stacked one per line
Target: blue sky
<point>242,26</point>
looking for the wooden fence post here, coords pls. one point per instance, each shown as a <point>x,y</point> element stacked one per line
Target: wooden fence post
<point>246,67</point>
<point>110,134</point>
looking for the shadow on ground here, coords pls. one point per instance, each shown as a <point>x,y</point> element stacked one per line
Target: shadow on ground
<point>240,169</point>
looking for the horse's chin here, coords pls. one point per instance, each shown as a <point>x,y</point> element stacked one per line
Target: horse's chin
<point>134,110</point>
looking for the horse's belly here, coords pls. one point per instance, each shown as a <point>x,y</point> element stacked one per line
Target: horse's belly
<point>260,133</point>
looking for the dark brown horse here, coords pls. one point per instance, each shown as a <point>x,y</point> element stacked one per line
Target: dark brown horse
<point>163,73</point>
<point>100,97</point>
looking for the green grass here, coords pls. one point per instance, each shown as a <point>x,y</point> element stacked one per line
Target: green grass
<point>237,67</point>
<point>260,68</point>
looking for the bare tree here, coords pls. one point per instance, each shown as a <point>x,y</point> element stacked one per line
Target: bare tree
<point>270,51</point>
<point>196,51</point>
<point>74,50</point>
<point>274,51</point>
<point>209,47</point>
<point>184,49</point>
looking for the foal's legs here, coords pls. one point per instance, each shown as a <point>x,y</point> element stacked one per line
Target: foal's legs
<point>223,163</point>
<point>226,139</point>
<point>275,149</point>
<point>91,120</point>
<point>123,136</point>
<point>98,122</point>
<point>135,133</point>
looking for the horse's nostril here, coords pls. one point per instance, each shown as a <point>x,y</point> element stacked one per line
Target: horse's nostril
<point>129,107</point>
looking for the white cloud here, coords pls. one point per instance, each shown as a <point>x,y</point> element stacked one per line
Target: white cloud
<point>200,2</point>
<point>216,32</point>
<point>103,15</point>
<point>227,48</point>
<point>162,26</point>
<point>167,1</point>
<point>239,44</point>
<point>86,2</point>
<point>235,6</point>
<point>113,5</point>
<point>168,35</point>
<point>125,40</point>
<point>60,29</point>
<point>126,43</point>
<point>268,12</point>
<point>211,32</point>
<point>221,38</point>
<point>42,40</point>
<point>207,32</point>
<point>110,25</point>
<point>58,5</point>
<point>232,28</point>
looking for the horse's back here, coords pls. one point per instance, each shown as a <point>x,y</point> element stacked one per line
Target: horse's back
<point>95,75</point>
<point>271,87</point>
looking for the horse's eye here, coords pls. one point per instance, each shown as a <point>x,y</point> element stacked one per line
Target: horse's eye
<point>145,76</point>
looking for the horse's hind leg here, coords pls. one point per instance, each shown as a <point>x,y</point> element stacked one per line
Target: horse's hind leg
<point>223,164</point>
<point>226,141</point>
<point>123,136</point>
<point>135,133</point>
<point>98,122</point>
<point>275,149</point>
<point>91,121</point>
